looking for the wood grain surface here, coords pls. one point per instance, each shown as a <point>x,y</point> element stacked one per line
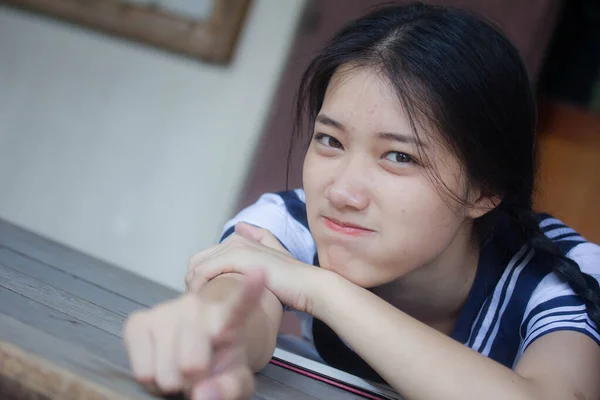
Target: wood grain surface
<point>61,320</point>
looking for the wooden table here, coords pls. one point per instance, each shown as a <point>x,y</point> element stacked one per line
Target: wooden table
<point>61,319</point>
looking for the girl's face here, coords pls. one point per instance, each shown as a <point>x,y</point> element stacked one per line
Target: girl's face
<point>372,208</point>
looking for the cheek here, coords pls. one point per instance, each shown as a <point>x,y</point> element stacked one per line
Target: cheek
<point>417,225</point>
<point>412,203</point>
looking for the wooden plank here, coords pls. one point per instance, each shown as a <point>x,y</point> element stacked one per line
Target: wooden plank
<point>268,388</point>
<point>273,382</point>
<point>25,376</point>
<point>34,366</point>
<point>64,327</point>
<point>124,283</point>
<point>68,309</point>
<point>61,301</point>
<point>56,278</point>
<point>311,388</point>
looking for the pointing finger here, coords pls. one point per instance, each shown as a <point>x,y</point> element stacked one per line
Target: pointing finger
<point>140,347</point>
<point>252,288</point>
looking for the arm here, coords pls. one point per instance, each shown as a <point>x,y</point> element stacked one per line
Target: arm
<point>207,342</point>
<point>421,363</point>
<point>262,324</point>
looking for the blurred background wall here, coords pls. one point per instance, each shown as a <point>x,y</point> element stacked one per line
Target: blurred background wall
<point>131,154</point>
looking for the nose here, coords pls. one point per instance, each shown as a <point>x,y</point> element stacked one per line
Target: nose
<point>348,189</point>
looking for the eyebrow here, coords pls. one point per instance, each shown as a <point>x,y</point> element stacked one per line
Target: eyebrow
<point>401,137</point>
<point>325,120</point>
<point>397,137</point>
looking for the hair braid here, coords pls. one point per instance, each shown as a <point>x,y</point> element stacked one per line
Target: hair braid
<point>583,285</point>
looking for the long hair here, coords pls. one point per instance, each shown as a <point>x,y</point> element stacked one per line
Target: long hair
<point>456,74</point>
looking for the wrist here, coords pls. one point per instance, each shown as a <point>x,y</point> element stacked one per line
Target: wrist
<point>327,287</point>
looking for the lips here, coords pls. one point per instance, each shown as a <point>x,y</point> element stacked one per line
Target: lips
<point>346,228</point>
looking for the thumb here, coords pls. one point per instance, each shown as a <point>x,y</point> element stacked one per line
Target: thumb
<point>258,235</point>
<point>249,231</point>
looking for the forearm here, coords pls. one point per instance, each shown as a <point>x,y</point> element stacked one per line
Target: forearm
<point>418,361</point>
<point>262,324</point>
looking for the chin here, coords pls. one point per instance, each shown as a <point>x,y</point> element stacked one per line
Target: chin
<point>368,282</point>
<point>361,275</point>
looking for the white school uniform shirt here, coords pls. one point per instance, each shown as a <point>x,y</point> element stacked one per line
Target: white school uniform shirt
<point>513,302</point>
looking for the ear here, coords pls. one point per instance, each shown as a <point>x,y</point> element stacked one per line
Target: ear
<point>483,204</point>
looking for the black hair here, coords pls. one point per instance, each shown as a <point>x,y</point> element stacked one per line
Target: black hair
<point>457,74</point>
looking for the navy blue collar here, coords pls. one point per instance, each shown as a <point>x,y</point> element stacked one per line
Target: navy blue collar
<point>491,265</point>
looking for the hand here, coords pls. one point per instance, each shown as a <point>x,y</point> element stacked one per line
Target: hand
<point>292,281</point>
<point>260,235</point>
<point>195,345</point>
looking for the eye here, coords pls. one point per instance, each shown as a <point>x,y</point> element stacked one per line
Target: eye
<point>328,141</point>
<point>398,157</point>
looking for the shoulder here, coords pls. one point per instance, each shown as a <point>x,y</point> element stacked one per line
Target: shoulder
<point>284,215</point>
<point>525,298</point>
<point>572,244</point>
<point>553,305</point>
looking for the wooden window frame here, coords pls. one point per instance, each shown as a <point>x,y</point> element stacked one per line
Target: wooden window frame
<point>211,40</point>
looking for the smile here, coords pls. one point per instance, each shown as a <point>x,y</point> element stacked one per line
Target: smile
<point>345,228</point>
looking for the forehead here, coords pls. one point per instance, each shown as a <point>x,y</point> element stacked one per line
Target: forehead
<point>360,95</point>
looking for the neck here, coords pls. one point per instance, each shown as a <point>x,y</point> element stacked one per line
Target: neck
<point>436,293</point>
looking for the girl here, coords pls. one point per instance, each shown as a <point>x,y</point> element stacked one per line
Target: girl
<point>413,247</point>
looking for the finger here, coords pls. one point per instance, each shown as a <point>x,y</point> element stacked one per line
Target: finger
<point>194,351</point>
<point>140,348</point>
<point>234,384</point>
<point>249,231</point>
<point>168,377</point>
<point>201,256</point>
<point>190,279</point>
<point>259,235</point>
<point>252,288</point>
<point>202,275</point>
<point>194,281</point>
<point>228,357</point>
